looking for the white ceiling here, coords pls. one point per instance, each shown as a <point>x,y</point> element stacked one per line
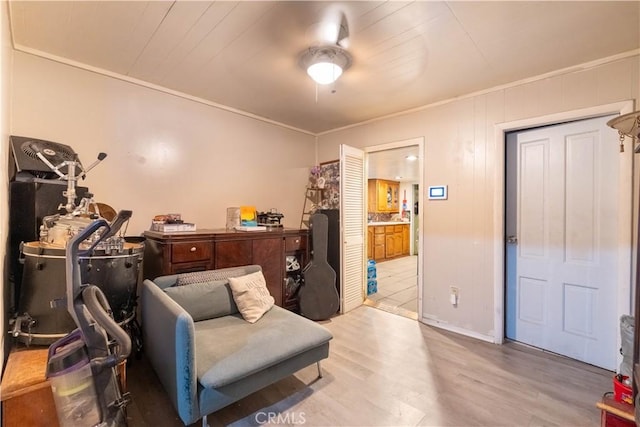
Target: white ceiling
<point>394,165</point>
<point>244,55</point>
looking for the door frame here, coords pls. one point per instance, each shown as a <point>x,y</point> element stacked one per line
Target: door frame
<point>625,266</point>
<point>419,141</point>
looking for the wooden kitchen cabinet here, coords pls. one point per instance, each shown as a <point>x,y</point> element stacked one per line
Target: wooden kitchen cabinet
<point>174,253</point>
<point>393,240</point>
<point>378,243</point>
<point>370,239</point>
<point>383,195</point>
<point>389,241</point>
<point>389,246</point>
<point>406,240</point>
<point>398,238</point>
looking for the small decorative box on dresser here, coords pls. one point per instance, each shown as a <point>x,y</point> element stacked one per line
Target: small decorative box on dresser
<point>273,250</point>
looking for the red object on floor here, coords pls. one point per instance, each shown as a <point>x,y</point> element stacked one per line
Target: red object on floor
<point>621,391</point>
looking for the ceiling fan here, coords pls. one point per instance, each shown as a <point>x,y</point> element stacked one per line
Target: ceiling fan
<point>325,61</point>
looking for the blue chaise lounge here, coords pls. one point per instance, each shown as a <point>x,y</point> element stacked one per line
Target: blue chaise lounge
<point>204,352</point>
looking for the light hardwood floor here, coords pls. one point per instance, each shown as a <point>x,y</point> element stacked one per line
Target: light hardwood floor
<point>397,285</point>
<point>387,370</point>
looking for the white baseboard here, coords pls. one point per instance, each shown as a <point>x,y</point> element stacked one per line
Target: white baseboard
<point>457,330</point>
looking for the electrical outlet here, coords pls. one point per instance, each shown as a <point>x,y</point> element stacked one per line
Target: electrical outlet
<point>455,295</point>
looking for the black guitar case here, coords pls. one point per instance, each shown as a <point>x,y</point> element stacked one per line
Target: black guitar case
<point>318,296</point>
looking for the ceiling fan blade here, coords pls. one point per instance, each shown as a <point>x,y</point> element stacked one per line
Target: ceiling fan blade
<point>343,31</point>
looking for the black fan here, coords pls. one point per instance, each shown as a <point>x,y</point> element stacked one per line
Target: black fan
<point>25,155</point>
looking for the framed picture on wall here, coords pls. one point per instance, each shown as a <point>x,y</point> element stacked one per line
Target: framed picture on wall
<point>330,174</point>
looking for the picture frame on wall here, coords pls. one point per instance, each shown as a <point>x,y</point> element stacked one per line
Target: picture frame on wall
<point>330,175</point>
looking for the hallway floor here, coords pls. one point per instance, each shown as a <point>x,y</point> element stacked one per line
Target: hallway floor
<point>397,287</point>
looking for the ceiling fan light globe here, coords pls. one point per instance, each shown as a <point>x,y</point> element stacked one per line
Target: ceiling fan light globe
<point>324,73</point>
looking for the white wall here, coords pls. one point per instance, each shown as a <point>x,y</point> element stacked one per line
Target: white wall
<point>166,154</point>
<point>461,151</point>
<point>169,154</point>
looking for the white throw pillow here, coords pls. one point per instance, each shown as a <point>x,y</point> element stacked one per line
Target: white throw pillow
<point>251,295</point>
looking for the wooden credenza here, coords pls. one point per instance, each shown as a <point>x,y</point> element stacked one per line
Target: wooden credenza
<point>208,249</point>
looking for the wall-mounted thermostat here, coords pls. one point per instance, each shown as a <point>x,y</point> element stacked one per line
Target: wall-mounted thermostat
<point>438,192</point>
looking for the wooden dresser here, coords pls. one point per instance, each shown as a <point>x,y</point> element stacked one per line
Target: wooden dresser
<point>208,249</point>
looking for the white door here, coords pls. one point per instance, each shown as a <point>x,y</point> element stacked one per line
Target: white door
<point>353,228</point>
<point>562,294</point>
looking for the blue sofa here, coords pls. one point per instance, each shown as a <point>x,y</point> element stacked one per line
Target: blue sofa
<point>207,356</point>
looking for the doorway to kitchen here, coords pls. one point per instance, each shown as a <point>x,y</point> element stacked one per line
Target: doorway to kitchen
<point>394,269</point>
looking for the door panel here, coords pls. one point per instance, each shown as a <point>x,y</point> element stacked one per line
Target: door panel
<point>562,277</point>
<point>533,183</point>
<point>353,227</point>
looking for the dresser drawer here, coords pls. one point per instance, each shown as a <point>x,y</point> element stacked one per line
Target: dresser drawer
<point>190,251</point>
<point>295,243</point>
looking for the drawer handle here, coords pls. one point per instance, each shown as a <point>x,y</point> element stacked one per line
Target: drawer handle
<point>193,249</point>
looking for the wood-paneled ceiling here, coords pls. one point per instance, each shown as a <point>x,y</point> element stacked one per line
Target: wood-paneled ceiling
<point>244,54</point>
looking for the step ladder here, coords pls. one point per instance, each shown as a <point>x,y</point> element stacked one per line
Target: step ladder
<point>312,199</point>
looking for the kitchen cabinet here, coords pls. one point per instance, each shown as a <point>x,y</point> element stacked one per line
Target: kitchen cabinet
<point>388,241</point>
<point>406,242</point>
<point>391,250</point>
<point>397,239</point>
<point>383,195</point>
<point>379,243</point>
<point>174,253</point>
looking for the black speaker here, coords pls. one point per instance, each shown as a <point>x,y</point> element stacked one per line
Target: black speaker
<point>29,202</point>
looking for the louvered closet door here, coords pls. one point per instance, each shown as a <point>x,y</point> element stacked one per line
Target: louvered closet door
<point>352,232</point>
